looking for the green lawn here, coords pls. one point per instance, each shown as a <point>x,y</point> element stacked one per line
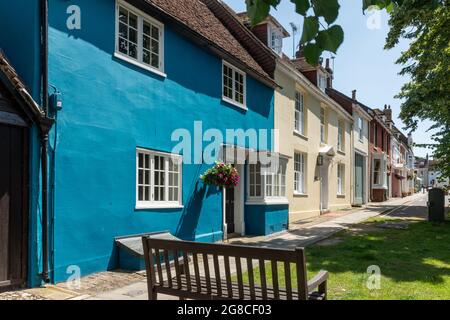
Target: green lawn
<point>415,263</point>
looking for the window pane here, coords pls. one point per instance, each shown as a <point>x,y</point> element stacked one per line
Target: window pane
<point>132,50</point>
<point>123,46</point>
<point>132,21</point>
<point>123,15</point>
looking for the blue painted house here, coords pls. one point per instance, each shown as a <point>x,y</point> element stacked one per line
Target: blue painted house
<point>141,93</point>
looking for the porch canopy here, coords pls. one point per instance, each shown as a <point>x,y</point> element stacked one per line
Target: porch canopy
<point>270,161</point>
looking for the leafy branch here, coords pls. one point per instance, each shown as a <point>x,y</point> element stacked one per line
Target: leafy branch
<point>316,37</point>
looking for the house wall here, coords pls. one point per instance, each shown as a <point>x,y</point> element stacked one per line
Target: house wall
<point>109,109</point>
<point>308,205</point>
<point>362,148</point>
<point>377,146</point>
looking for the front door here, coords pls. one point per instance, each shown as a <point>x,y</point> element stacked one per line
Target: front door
<point>13,207</point>
<point>229,210</point>
<point>324,183</point>
<point>359,179</point>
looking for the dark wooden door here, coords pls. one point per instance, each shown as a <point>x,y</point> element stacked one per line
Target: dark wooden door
<point>229,209</point>
<point>13,206</point>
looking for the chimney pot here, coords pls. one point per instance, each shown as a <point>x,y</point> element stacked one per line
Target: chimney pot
<point>354,94</point>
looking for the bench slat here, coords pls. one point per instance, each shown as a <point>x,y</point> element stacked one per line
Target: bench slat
<point>276,288</point>
<point>262,272</point>
<point>239,277</point>
<point>207,275</point>
<point>177,268</point>
<point>197,272</point>
<point>217,273</point>
<point>187,270</point>
<point>168,271</point>
<point>287,276</point>
<point>251,278</point>
<point>228,276</point>
<point>220,249</point>
<point>158,266</point>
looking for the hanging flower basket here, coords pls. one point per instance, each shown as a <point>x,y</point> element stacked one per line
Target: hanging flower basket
<point>221,175</point>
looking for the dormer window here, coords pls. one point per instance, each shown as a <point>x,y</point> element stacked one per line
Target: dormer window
<point>321,81</point>
<point>275,39</point>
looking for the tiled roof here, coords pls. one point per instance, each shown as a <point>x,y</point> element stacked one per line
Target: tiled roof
<point>15,83</point>
<point>332,91</point>
<point>195,15</point>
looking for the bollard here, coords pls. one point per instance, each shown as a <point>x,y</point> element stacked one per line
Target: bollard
<point>436,205</point>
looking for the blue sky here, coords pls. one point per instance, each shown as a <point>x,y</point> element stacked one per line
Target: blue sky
<point>361,63</point>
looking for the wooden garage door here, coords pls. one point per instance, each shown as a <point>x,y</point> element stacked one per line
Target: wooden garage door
<point>13,206</point>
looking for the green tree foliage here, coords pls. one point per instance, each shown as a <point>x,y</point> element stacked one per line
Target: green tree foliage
<point>425,23</point>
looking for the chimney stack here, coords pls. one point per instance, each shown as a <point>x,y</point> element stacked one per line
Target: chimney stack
<point>354,95</point>
<point>388,113</point>
<point>299,54</point>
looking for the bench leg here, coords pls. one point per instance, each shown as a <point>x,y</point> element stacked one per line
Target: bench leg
<point>152,295</point>
<point>323,288</point>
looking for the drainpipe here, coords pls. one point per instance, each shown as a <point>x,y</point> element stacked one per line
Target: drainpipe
<point>44,139</point>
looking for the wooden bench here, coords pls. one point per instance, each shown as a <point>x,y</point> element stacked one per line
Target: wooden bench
<point>216,272</point>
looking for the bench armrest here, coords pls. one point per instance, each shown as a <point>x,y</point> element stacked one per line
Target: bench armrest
<point>319,280</point>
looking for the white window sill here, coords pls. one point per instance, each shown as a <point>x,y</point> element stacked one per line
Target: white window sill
<point>139,64</point>
<point>267,202</point>
<point>341,195</point>
<point>299,194</point>
<point>341,152</point>
<point>158,206</point>
<point>301,135</point>
<point>234,103</point>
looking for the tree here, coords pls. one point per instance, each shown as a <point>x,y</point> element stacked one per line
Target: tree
<point>425,23</point>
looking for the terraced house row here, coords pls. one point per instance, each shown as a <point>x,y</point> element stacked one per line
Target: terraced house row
<point>95,97</point>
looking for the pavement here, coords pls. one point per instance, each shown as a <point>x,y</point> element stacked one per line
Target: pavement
<point>314,232</point>
<point>132,286</point>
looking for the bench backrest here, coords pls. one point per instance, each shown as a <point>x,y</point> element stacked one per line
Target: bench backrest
<point>218,263</point>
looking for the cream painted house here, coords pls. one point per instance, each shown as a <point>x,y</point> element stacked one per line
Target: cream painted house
<point>360,179</point>
<point>314,130</point>
<point>316,133</point>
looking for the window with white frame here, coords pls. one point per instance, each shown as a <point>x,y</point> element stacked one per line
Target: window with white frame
<point>300,173</point>
<point>139,38</point>
<point>255,190</point>
<point>379,171</point>
<point>360,128</point>
<point>341,179</point>
<point>341,136</point>
<point>266,184</point>
<point>234,85</point>
<point>159,179</point>
<point>323,133</point>
<point>275,39</point>
<point>321,81</point>
<point>300,113</point>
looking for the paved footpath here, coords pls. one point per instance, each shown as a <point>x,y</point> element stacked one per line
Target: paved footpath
<point>301,234</point>
<point>314,232</point>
